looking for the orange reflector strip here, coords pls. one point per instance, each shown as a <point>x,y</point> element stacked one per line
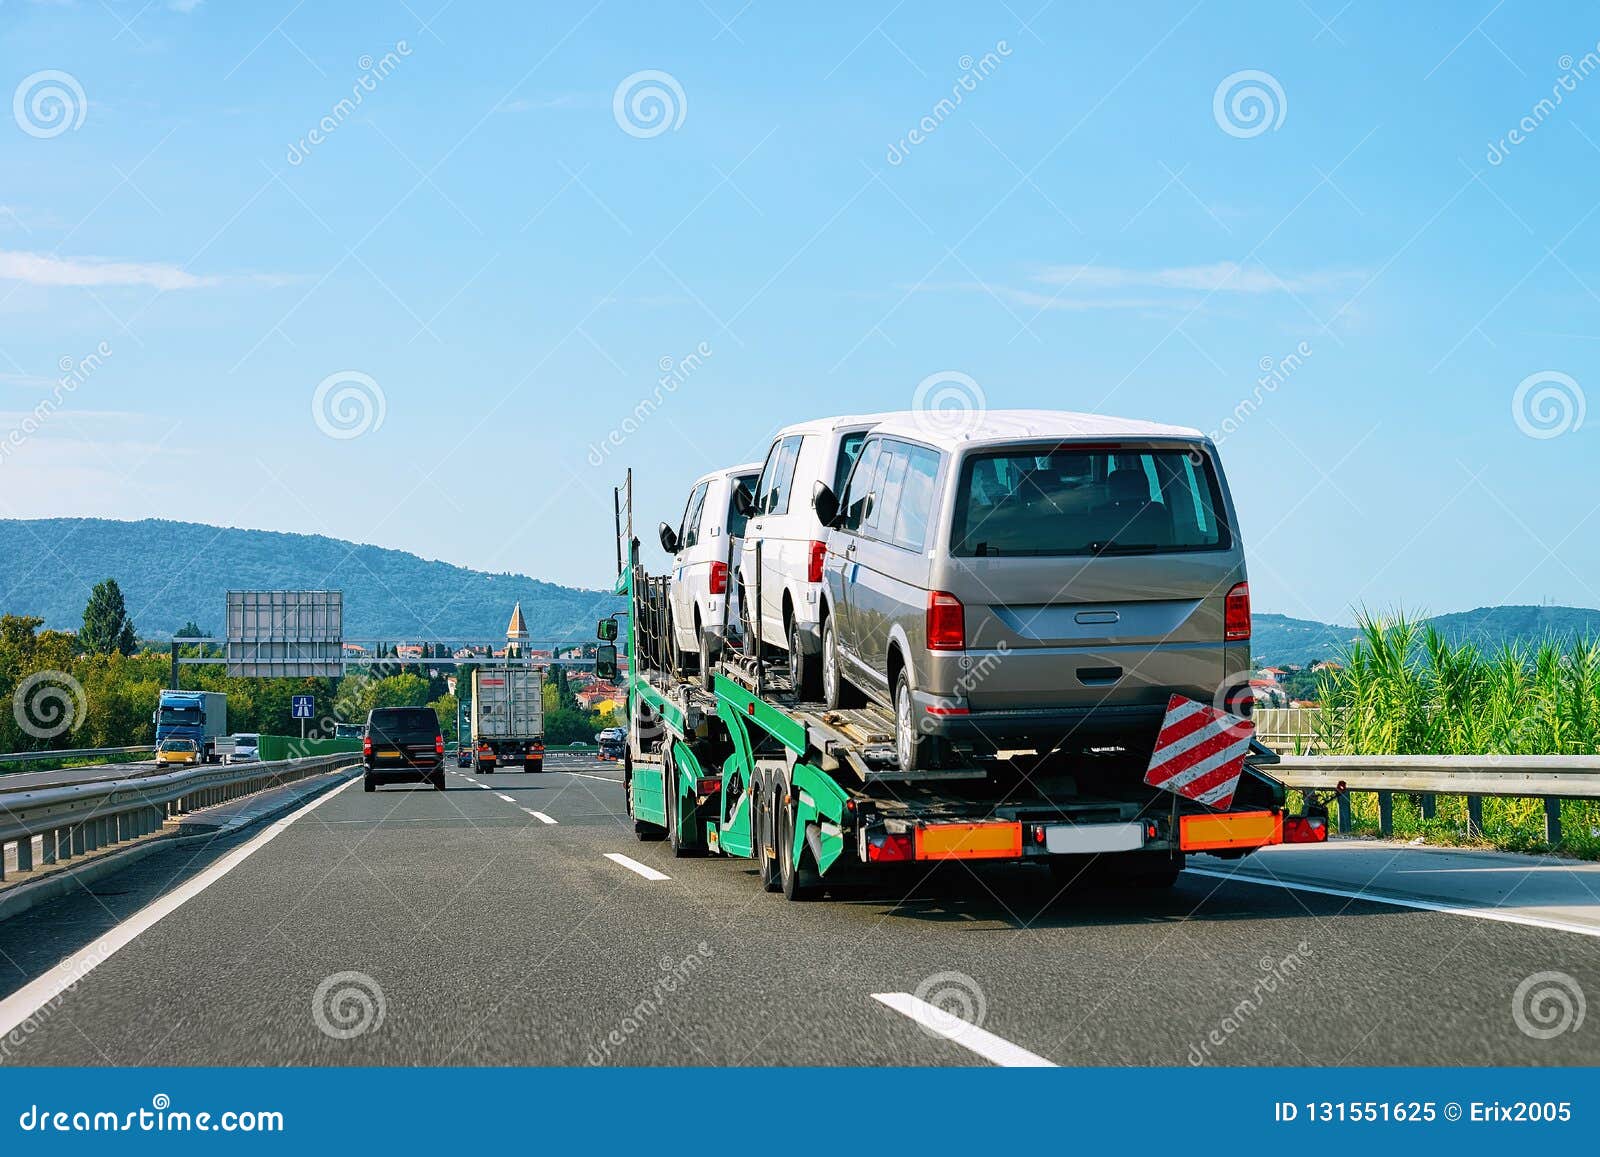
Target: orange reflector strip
<point>969,842</point>
<point>1230,830</point>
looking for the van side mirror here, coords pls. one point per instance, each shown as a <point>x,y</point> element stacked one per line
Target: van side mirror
<point>743,501</point>
<point>669,538</point>
<point>606,630</point>
<point>825,502</point>
<point>605,662</point>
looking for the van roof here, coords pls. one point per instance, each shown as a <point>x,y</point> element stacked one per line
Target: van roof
<point>841,421</point>
<point>997,426</point>
<point>729,472</point>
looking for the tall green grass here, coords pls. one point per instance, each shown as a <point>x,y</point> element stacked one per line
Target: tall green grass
<point>1404,689</point>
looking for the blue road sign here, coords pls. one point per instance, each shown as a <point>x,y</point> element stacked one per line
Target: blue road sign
<point>302,707</point>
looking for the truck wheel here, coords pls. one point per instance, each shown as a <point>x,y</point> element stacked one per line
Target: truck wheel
<point>680,845</point>
<point>804,676</point>
<point>798,883</point>
<point>765,837</point>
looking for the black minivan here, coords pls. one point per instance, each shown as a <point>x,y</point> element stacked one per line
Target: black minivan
<point>403,745</point>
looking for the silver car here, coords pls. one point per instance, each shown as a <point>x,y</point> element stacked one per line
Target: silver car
<point>1038,578</point>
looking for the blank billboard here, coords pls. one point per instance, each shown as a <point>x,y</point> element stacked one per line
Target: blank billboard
<point>277,634</point>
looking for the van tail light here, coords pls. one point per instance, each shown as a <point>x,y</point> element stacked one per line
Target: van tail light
<point>1236,614</point>
<point>719,578</point>
<point>819,551</point>
<point>366,745</point>
<point>438,745</point>
<point>947,622</point>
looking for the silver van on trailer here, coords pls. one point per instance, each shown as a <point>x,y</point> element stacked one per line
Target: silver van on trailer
<point>1037,579</point>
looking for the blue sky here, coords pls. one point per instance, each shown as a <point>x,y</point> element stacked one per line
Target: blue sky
<point>1089,228</point>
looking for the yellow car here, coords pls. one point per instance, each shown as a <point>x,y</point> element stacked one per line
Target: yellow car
<point>177,753</point>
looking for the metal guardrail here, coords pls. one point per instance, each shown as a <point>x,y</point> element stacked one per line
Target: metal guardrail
<point>77,819</point>
<point>74,753</point>
<point>1551,778</point>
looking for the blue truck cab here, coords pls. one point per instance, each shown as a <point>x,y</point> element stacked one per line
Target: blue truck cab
<point>198,715</point>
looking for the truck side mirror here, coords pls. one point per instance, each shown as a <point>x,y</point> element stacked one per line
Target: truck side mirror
<point>743,501</point>
<point>606,630</point>
<point>825,502</point>
<point>669,538</point>
<point>605,662</point>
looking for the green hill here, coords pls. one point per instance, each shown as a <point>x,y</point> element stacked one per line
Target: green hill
<point>1278,640</point>
<point>172,572</point>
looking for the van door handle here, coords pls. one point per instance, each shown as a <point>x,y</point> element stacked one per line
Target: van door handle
<point>1090,617</point>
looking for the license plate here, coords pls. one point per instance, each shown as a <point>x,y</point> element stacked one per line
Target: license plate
<point>1089,839</point>
<point>389,752</point>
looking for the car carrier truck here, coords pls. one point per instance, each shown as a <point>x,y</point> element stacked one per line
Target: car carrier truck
<point>748,770</point>
<point>508,714</point>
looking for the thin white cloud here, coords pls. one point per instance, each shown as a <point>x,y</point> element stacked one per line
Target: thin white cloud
<point>1218,277</point>
<point>43,269</point>
<point>538,104</point>
<point>185,6</point>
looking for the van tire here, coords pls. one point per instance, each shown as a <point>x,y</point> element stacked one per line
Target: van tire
<point>367,784</point>
<point>707,675</point>
<point>913,750</point>
<point>837,691</point>
<point>805,674</point>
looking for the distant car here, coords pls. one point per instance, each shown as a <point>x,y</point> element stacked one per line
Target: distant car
<point>610,741</point>
<point>706,541</point>
<point>246,749</point>
<point>464,755</point>
<point>403,745</point>
<point>177,753</point>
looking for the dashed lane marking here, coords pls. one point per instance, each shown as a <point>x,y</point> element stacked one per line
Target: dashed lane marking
<point>644,870</point>
<point>964,1033</point>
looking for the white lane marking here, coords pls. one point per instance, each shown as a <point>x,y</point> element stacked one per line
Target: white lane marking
<point>644,870</point>
<point>601,778</point>
<point>505,797</point>
<point>1495,914</point>
<point>540,816</point>
<point>964,1033</point>
<point>45,989</point>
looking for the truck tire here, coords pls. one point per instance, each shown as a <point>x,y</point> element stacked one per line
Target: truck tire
<point>764,835</point>
<point>682,846</point>
<point>798,882</point>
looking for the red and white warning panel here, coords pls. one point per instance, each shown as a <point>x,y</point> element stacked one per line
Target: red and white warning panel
<point>1200,752</point>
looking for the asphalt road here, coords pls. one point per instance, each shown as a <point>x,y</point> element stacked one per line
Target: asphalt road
<point>93,773</point>
<point>495,937</point>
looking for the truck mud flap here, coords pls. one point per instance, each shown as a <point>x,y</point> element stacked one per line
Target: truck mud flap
<point>819,818</point>
<point>649,801</point>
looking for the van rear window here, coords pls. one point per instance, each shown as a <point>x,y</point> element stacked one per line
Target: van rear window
<point>396,720</point>
<point>1101,501</point>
